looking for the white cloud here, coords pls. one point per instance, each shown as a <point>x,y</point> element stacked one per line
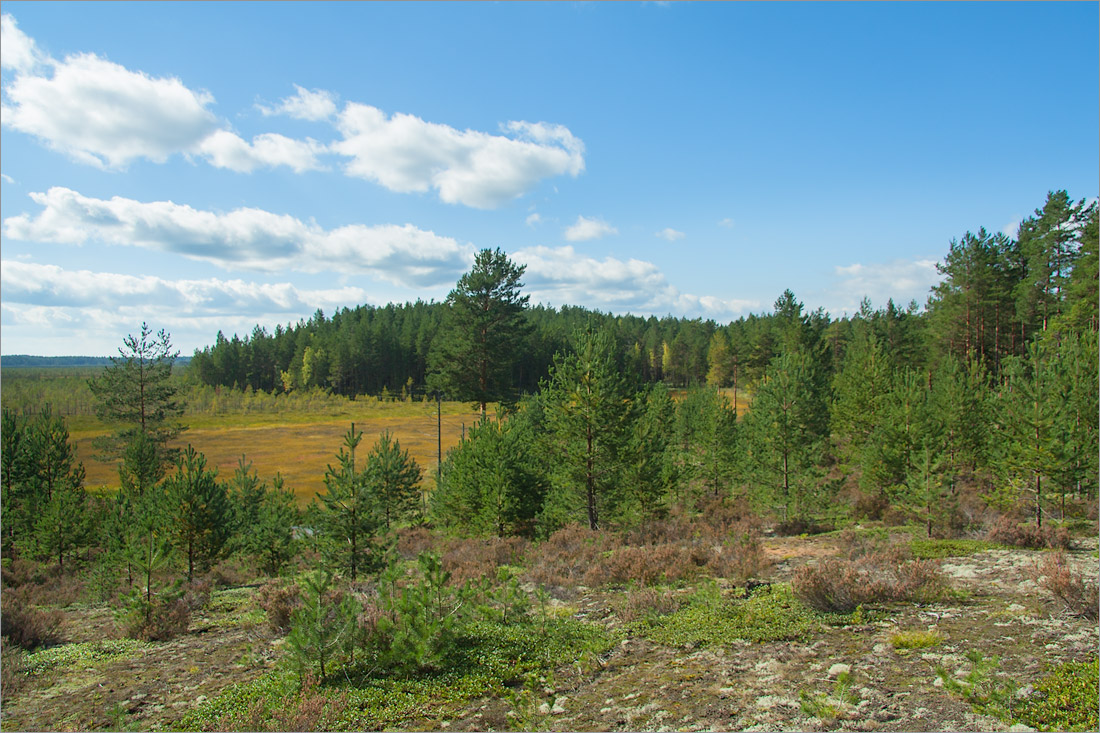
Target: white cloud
<point>561,276</point>
<point>902,280</point>
<point>313,105</point>
<point>224,149</point>
<point>6,178</point>
<point>727,223</point>
<point>105,115</point>
<point>53,311</point>
<point>17,50</point>
<point>246,238</point>
<point>1012,228</point>
<point>406,154</point>
<point>670,234</point>
<point>584,229</point>
<point>533,219</point>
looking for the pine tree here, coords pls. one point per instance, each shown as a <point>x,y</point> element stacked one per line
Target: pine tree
<point>350,521</point>
<point>784,431</point>
<point>587,412</point>
<point>485,325</point>
<point>1029,409</point>
<point>393,478</point>
<point>198,511</point>
<point>490,484</point>
<point>137,394</point>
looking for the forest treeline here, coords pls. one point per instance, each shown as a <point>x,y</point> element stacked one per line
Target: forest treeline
<point>996,295</point>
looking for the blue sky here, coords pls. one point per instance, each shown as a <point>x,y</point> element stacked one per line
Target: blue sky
<point>211,166</point>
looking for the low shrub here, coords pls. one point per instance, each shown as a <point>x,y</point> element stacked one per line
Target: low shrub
<point>279,600</point>
<point>163,618</point>
<point>1007,531</point>
<point>473,559</point>
<point>1080,597</point>
<point>1065,699</point>
<point>25,624</point>
<point>644,565</point>
<point>794,527</point>
<point>916,639</point>
<point>835,585</point>
<point>13,674</point>
<point>739,557</point>
<point>565,557</point>
<point>644,604</point>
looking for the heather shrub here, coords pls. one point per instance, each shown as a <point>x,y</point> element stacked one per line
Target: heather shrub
<point>472,559</point>
<point>1007,531</point>
<point>25,624</point>
<point>644,565</point>
<point>279,600</point>
<point>566,556</point>
<point>411,541</point>
<point>644,604</point>
<point>13,664</point>
<point>840,586</point>
<point>739,557</point>
<point>1080,597</point>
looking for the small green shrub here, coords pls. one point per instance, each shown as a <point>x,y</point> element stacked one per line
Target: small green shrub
<point>916,639</point>
<point>771,613</point>
<point>1065,699</point>
<point>83,654</point>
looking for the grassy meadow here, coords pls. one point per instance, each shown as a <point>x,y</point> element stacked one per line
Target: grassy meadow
<point>296,435</point>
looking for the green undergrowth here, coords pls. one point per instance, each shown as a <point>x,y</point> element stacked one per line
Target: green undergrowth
<point>83,655</point>
<point>482,661</point>
<point>769,614</point>
<point>1065,699</point>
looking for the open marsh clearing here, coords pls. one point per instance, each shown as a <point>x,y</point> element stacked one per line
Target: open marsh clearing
<point>875,670</point>
<point>300,446</point>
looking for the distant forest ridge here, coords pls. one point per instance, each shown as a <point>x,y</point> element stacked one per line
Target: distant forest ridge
<point>26,360</point>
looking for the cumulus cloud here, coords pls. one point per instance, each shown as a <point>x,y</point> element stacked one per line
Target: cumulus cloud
<point>57,311</point>
<point>407,154</point>
<point>105,115</point>
<point>245,238</point>
<point>670,234</point>
<point>18,51</point>
<point>225,149</point>
<point>902,280</point>
<point>584,229</point>
<point>560,275</point>
<point>313,105</point>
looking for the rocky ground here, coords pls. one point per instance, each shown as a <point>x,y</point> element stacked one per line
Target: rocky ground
<point>840,678</point>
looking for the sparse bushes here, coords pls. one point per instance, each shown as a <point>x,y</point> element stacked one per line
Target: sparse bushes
<point>840,586</point>
<point>1007,531</point>
<point>26,625</point>
<point>1055,576</point>
<point>163,618</point>
<point>279,600</point>
<point>644,604</point>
